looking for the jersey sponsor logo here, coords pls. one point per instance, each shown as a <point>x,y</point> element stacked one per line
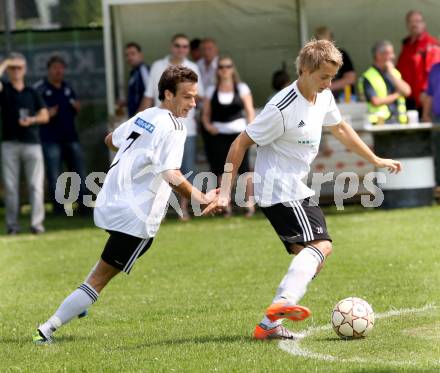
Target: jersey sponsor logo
<point>301,124</point>
<point>306,142</point>
<point>147,126</point>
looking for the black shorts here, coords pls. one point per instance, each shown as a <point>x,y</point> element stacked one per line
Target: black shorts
<point>297,222</point>
<point>122,250</point>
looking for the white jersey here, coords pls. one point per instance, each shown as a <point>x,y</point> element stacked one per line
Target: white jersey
<point>134,196</point>
<point>288,132</point>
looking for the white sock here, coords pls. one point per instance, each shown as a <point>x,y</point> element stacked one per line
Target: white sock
<point>300,273</point>
<point>76,303</point>
<point>294,284</point>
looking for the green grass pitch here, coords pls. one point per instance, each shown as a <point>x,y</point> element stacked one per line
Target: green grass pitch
<point>191,303</point>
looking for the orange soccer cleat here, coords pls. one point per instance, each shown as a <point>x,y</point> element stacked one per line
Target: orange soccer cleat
<point>284,310</point>
<point>261,332</point>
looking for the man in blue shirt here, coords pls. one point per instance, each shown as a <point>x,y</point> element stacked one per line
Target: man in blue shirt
<point>59,137</point>
<point>138,80</point>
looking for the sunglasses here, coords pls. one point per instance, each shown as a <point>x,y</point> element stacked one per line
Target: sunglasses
<point>15,67</point>
<point>225,66</point>
<point>181,46</point>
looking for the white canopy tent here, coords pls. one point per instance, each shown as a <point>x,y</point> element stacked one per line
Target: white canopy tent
<point>260,35</point>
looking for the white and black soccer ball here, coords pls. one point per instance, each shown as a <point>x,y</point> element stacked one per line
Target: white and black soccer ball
<point>352,318</point>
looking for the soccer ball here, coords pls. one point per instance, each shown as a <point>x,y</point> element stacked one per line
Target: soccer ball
<point>352,318</point>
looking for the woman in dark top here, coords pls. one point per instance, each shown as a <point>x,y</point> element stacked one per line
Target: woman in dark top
<point>227,109</point>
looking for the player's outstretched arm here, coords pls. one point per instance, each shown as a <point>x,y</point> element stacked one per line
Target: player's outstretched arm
<point>233,162</point>
<point>348,136</point>
<point>108,142</point>
<point>182,186</point>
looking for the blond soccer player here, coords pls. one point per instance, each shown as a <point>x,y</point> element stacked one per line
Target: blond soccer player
<point>288,133</point>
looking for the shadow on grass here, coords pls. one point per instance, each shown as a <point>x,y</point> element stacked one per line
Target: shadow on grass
<point>330,339</point>
<point>24,340</point>
<point>72,338</point>
<point>194,340</point>
<point>391,370</point>
<point>337,339</point>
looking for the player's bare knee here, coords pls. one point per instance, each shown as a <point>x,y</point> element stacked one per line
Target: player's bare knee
<point>328,249</point>
<point>324,246</point>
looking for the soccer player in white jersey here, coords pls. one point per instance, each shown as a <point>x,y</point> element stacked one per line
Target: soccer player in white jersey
<point>134,197</point>
<point>288,132</point>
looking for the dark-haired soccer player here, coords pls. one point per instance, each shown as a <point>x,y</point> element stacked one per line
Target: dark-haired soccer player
<point>134,197</point>
<point>288,132</point>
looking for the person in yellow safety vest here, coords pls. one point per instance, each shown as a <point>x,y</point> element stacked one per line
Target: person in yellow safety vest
<point>383,88</point>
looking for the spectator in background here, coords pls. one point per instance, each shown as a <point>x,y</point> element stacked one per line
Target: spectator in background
<point>208,63</point>
<point>138,80</point>
<point>383,87</point>
<point>179,50</point>
<point>208,71</point>
<point>431,104</point>
<point>419,52</point>
<point>59,138</point>
<point>227,108</point>
<point>194,50</point>
<point>280,80</point>
<point>22,111</point>
<point>431,113</point>
<point>346,76</point>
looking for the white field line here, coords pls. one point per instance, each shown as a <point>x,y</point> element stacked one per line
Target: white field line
<point>293,346</point>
